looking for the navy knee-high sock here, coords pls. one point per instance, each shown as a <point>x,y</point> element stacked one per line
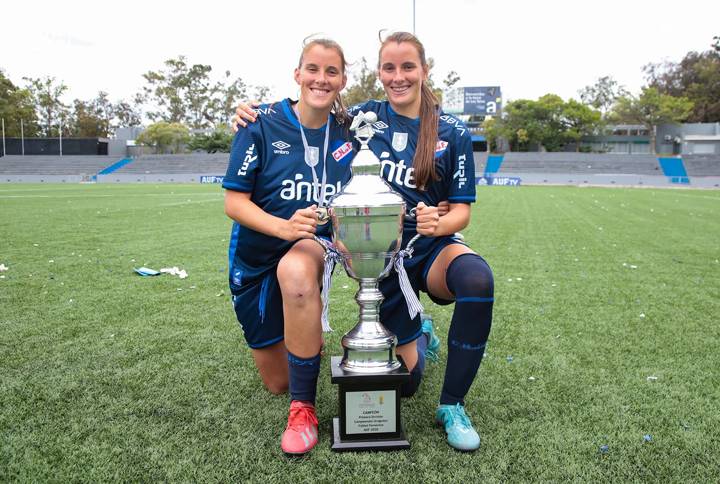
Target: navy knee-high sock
<point>303,377</point>
<point>470,279</point>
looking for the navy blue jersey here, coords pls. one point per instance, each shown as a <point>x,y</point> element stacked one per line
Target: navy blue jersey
<point>268,160</point>
<point>394,143</point>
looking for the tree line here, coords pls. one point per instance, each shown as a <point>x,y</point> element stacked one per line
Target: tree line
<point>675,92</point>
<point>178,93</point>
<point>188,108</point>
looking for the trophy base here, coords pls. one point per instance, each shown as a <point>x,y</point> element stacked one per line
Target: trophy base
<point>339,445</point>
<point>369,407</point>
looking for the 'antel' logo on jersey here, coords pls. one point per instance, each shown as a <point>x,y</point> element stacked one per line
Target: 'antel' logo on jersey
<point>342,152</point>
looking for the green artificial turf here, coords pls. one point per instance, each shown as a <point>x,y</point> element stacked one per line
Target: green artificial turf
<point>602,362</point>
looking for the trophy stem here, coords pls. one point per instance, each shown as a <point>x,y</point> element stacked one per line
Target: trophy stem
<point>369,347</point>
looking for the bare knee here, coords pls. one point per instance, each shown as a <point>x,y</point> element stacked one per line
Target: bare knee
<point>298,280</point>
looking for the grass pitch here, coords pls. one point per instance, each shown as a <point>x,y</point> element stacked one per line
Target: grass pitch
<point>602,362</point>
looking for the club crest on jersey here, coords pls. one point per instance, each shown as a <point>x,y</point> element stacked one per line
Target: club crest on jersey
<point>342,152</point>
<point>440,147</point>
<point>399,141</point>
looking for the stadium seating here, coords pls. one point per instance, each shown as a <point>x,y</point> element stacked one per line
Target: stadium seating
<point>54,165</point>
<point>532,167</point>
<point>211,164</point>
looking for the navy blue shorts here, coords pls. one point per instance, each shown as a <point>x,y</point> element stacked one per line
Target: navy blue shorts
<point>259,310</point>
<point>393,310</point>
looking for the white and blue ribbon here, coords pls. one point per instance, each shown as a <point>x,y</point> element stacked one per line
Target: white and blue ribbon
<point>331,258</point>
<point>413,303</point>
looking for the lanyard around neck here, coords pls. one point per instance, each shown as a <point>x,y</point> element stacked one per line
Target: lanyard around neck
<point>312,158</point>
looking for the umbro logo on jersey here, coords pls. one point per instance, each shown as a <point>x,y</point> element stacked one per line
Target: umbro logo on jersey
<point>380,125</point>
<point>281,148</point>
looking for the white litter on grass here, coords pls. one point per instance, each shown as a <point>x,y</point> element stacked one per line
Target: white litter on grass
<point>510,280</point>
<point>51,261</point>
<point>175,271</point>
<point>633,267</point>
<point>518,278</point>
<point>345,286</point>
<point>652,378</point>
<point>3,268</point>
<point>221,293</point>
<point>642,315</point>
<point>532,378</point>
<point>554,285</point>
<point>36,245</point>
<point>2,277</point>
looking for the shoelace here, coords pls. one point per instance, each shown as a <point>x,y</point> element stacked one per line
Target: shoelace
<point>300,416</point>
<point>457,414</point>
<point>432,355</point>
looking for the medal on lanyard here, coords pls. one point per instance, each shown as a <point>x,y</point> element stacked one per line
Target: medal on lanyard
<point>312,158</point>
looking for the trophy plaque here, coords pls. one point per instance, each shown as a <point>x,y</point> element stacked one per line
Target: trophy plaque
<point>367,217</point>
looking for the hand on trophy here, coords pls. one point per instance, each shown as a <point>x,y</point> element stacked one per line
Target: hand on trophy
<point>427,219</point>
<point>244,112</point>
<point>301,225</point>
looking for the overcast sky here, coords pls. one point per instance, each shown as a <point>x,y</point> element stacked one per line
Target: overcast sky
<point>528,48</point>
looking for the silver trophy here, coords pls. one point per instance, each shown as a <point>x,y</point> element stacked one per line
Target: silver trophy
<point>367,217</point>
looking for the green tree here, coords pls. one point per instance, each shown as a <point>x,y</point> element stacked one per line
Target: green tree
<point>219,140</point>
<point>185,93</point>
<point>492,128</point>
<point>580,120</point>
<point>16,104</point>
<point>51,111</point>
<point>549,122</point>
<point>650,109</point>
<point>366,85</point>
<point>165,137</point>
<point>128,113</point>
<point>696,77</point>
<point>603,94</point>
<point>94,118</point>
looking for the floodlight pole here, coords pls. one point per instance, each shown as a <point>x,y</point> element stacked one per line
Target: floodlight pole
<point>3,130</point>
<point>60,123</point>
<point>413,17</point>
<point>22,138</point>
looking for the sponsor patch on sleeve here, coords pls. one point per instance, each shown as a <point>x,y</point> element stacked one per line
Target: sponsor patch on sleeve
<point>440,147</point>
<point>341,154</point>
